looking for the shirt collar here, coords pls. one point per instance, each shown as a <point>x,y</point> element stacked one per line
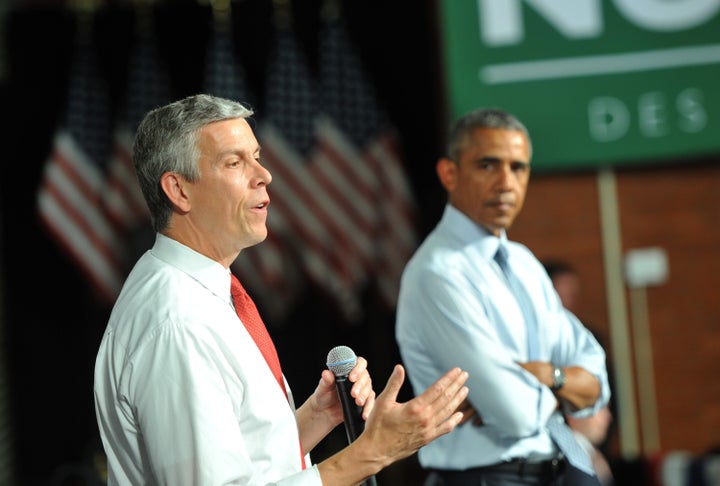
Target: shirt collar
<point>469,233</point>
<point>208,272</point>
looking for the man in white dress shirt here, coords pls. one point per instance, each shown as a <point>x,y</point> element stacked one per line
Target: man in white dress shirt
<point>183,395</point>
<point>471,297</point>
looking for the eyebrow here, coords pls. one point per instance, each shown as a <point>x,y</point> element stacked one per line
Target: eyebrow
<point>234,151</point>
<point>497,160</point>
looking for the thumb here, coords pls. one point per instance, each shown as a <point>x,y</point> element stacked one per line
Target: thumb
<point>394,383</point>
<point>327,378</point>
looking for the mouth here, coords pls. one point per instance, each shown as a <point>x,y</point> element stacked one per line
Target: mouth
<point>502,205</point>
<point>262,205</point>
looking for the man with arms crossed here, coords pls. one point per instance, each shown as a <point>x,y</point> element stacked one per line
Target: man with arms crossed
<point>500,320</point>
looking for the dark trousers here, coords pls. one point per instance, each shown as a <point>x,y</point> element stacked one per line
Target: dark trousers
<point>515,473</point>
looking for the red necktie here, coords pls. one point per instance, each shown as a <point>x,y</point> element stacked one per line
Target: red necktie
<point>248,314</point>
<point>250,317</point>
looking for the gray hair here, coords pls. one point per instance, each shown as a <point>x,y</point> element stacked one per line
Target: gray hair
<point>166,141</point>
<point>481,118</point>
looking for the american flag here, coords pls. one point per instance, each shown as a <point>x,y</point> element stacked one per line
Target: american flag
<point>300,200</point>
<point>359,141</point>
<point>263,269</point>
<point>71,203</point>
<point>147,87</point>
<point>338,181</point>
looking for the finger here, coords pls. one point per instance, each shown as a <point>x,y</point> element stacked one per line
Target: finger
<point>449,403</point>
<point>447,426</point>
<point>327,378</point>
<point>448,413</point>
<point>362,389</point>
<point>393,385</point>
<point>358,369</point>
<point>362,385</point>
<point>445,386</point>
<point>446,404</point>
<point>369,404</point>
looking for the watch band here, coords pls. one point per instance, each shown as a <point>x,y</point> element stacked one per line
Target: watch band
<point>558,378</point>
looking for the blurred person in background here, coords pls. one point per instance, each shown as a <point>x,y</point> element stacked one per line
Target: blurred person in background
<point>566,281</point>
<point>592,434</point>
<point>472,297</point>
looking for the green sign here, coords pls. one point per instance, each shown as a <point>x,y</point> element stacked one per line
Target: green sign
<point>596,82</point>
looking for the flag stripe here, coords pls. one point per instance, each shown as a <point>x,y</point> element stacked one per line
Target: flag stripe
<point>73,183</point>
<point>90,257</point>
<point>346,175</point>
<point>70,196</point>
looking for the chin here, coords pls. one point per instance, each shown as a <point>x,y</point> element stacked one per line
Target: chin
<point>505,223</point>
<point>253,240</point>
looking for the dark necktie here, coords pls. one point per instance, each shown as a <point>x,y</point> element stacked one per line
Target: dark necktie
<point>558,429</point>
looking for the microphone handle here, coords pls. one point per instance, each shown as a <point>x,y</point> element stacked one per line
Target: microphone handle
<point>352,413</point>
<point>352,416</point>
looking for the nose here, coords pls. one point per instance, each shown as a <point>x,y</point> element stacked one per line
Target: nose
<point>262,175</point>
<point>505,177</point>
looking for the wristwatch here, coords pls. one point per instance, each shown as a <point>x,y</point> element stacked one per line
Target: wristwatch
<point>558,378</point>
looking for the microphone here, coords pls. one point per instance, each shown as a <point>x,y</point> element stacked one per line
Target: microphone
<point>341,360</point>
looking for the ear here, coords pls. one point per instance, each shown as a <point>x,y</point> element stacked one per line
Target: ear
<point>175,188</point>
<point>446,171</point>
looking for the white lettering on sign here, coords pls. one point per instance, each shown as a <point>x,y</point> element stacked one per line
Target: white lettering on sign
<point>501,21</point>
<point>693,116</point>
<point>664,16</point>
<point>609,118</point>
<point>652,114</point>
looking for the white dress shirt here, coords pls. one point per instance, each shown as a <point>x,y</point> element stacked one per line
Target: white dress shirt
<point>183,395</point>
<point>455,309</point>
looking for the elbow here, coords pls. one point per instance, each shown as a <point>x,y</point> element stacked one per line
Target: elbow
<point>584,396</point>
<point>593,392</point>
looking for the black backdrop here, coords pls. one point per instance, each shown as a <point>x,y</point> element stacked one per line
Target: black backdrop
<point>52,318</point>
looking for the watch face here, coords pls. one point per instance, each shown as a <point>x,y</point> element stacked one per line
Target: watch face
<point>558,378</point>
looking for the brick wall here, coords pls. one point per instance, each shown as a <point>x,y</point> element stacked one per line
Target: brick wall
<point>675,206</point>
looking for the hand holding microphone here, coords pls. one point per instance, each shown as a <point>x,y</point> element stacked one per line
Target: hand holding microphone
<point>394,430</point>
<point>341,360</point>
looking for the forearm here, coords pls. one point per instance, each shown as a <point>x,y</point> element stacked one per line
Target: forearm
<point>352,465</point>
<point>581,388</point>
<point>313,427</point>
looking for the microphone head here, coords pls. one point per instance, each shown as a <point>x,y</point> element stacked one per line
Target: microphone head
<point>341,360</point>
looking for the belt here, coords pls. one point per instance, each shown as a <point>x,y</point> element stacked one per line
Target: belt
<point>550,469</point>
